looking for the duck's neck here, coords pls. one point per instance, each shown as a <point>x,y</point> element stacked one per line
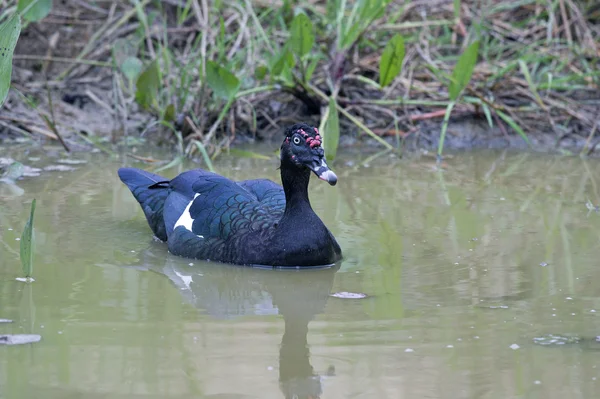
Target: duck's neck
<point>295,186</point>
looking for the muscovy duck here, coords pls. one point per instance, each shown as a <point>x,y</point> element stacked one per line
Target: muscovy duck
<point>203,215</point>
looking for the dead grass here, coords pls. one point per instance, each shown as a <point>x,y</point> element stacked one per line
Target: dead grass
<point>539,64</point>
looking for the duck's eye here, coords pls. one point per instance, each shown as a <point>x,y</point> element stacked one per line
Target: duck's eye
<point>296,140</point>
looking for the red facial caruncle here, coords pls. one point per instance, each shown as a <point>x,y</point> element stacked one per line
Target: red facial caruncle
<point>311,141</point>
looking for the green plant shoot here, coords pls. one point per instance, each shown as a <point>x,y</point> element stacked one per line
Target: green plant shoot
<point>461,75</point>
<point>331,132</point>
<point>302,37</point>
<point>9,34</point>
<point>147,86</point>
<point>223,83</point>
<point>36,11</point>
<point>27,244</point>
<point>390,64</point>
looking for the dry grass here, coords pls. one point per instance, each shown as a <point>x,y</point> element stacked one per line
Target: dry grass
<point>539,64</point>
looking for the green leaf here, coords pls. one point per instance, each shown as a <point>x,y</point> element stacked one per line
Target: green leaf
<point>9,34</point>
<point>351,35</point>
<point>488,115</point>
<point>27,244</point>
<point>221,81</point>
<point>310,69</point>
<point>260,72</point>
<point>456,9</point>
<point>37,11</point>
<point>131,68</point>
<point>461,75</point>
<point>390,64</point>
<point>530,82</point>
<point>511,122</point>
<point>331,134</point>
<point>169,114</point>
<point>147,86</point>
<point>449,108</point>
<point>302,37</point>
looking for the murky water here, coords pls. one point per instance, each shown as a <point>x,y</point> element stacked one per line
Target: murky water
<point>468,272</point>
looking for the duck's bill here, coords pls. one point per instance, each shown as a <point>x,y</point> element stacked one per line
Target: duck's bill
<point>323,172</point>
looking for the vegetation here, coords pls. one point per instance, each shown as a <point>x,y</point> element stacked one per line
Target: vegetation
<point>27,247</point>
<point>378,68</point>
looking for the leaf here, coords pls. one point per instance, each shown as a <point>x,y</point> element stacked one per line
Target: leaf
<point>302,37</point>
<point>9,34</point>
<point>147,86</point>
<point>511,122</point>
<point>37,11</point>
<point>390,64</point>
<point>488,115</point>
<point>351,35</point>
<point>260,72</point>
<point>332,131</point>
<point>282,61</point>
<point>27,244</point>
<point>449,108</point>
<point>169,114</point>
<point>221,81</point>
<point>461,75</point>
<point>310,69</point>
<point>131,68</point>
<point>456,9</point>
<point>525,72</point>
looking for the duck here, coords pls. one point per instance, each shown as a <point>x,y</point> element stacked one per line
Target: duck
<point>206,216</point>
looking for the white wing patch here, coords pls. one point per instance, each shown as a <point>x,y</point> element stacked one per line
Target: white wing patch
<point>185,219</point>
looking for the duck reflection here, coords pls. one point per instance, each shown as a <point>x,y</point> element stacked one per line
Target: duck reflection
<point>226,291</point>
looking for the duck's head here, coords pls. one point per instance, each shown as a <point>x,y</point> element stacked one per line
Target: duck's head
<point>301,148</point>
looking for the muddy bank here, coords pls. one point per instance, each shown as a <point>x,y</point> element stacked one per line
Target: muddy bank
<point>69,91</point>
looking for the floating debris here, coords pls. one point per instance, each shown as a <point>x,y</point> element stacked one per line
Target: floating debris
<point>591,207</point>
<point>12,170</point>
<point>514,347</point>
<point>349,295</point>
<point>68,161</point>
<point>59,168</point>
<point>544,264</point>
<point>551,339</point>
<point>19,339</point>
<point>409,350</point>
<point>5,321</point>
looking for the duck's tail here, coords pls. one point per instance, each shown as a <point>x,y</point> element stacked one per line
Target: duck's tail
<point>150,191</point>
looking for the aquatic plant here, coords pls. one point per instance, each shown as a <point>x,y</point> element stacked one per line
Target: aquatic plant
<point>27,246</point>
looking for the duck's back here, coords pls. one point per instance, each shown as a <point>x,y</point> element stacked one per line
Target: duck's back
<point>203,215</point>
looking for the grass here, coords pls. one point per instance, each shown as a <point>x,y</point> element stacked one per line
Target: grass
<point>205,73</point>
<point>27,247</point>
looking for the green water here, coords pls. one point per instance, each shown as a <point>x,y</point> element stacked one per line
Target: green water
<point>451,262</point>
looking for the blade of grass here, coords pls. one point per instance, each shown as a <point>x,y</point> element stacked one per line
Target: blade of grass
<point>27,245</point>
<point>511,122</point>
<point>444,127</point>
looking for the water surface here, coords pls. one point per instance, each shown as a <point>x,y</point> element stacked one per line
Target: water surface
<point>465,269</point>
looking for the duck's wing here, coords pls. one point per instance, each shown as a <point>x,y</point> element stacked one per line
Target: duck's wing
<point>267,192</point>
<point>215,207</point>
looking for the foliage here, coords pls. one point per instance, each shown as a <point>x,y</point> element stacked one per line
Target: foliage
<point>461,75</point>
<point>205,72</point>
<point>28,245</point>
<point>390,64</point>
<point>34,10</point>
<point>9,34</point>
